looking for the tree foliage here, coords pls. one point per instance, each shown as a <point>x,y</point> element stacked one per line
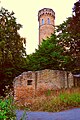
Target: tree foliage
<point>75,31</point>
<point>69,36</point>
<point>12,52</point>
<point>50,55</point>
<point>74,27</point>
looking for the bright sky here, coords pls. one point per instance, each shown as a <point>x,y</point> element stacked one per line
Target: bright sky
<point>26,12</point>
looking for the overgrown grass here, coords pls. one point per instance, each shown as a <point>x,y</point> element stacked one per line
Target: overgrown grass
<point>54,101</point>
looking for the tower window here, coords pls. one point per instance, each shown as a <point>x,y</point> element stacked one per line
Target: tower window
<point>48,21</point>
<point>42,21</point>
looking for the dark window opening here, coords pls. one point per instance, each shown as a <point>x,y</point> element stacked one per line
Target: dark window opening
<point>48,21</point>
<point>29,82</point>
<point>42,21</point>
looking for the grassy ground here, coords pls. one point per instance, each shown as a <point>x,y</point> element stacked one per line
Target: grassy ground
<point>54,101</point>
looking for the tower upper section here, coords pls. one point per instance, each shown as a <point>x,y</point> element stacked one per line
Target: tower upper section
<point>46,11</point>
<point>46,17</point>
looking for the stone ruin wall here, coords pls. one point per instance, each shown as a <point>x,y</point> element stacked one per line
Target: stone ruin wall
<point>53,79</point>
<point>30,83</point>
<point>22,90</point>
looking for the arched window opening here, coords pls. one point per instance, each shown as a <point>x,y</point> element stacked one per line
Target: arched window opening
<point>42,21</point>
<point>48,21</point>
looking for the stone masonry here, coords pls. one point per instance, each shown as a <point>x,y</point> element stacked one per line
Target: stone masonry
<point>30,83</point>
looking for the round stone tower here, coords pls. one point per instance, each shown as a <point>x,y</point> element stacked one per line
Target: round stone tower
<point>46,19</point>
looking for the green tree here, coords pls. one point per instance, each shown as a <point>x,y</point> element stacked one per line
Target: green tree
<point>50,55</point>
<point>69,36</point>
<point>75,31</point>
<point>12,52</point>
<point>66,41</point>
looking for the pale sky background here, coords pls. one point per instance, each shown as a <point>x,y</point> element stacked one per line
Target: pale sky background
<point>26,12</point>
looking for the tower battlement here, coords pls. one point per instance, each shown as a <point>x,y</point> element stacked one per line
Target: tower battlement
<point>46,11</point>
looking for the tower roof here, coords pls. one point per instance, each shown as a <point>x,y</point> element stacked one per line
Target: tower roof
<point>46,11</point>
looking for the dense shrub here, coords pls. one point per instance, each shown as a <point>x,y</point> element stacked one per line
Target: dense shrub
<point>7,109</point>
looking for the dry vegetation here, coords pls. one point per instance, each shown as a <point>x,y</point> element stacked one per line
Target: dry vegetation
<point>54,101</point>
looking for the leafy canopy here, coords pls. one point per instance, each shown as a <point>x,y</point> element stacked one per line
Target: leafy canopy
<point>50,55</point>
<point>12,52</point>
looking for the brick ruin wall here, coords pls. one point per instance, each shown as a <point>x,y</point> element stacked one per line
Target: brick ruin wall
<point>30,83</point>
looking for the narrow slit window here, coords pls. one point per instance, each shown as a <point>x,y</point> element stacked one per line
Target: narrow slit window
<point>42,21</point>
<point>29,82</point>
<point>48,21</point>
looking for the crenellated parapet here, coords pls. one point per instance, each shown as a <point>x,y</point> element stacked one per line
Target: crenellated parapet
<point>46,11</point>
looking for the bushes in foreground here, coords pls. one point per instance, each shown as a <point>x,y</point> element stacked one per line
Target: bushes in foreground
<point>7,109</point>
